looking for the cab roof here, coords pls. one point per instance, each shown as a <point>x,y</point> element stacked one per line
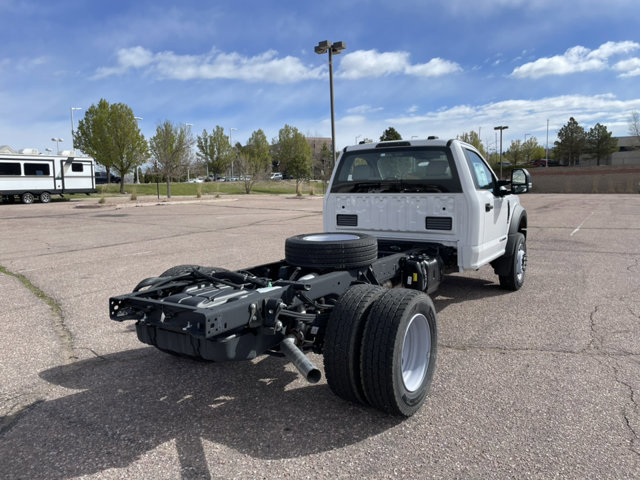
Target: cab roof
<point>428,142</point>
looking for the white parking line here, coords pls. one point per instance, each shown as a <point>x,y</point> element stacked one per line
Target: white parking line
<point>580,226</point>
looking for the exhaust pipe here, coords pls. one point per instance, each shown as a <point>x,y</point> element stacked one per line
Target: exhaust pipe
<point>296,356</point>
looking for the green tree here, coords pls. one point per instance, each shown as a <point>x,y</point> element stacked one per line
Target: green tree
<point>515,153</point>
<point>532,150</point>
<point>571,142</point>
<point>254,159</point>
<point>472,138</point>
<point>600,142</point>
<point>390,134</point>
<point>325,162</point>
<point>110,134</point>
<point>171,149</point>
<point>215,150</point>
<point>292,153</point>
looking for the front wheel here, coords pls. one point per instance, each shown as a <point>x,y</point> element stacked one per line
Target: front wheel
<point>514,279</point>
<point>45,197</point>
<point>399,351</point>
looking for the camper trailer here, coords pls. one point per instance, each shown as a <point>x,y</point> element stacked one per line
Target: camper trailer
<point>28,176</point>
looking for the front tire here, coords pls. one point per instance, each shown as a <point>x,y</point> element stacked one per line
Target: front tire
<point>45,197</point>
<point>514,279</point>
<point>399,351</point>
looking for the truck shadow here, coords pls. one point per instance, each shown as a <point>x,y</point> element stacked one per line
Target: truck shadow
<point>132,402</point>
<point>456,289</point>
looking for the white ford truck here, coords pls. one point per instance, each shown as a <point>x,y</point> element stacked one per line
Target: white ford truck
<point>397,217</point>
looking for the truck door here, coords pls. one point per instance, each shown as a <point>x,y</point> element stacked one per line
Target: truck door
<point>494,210</point>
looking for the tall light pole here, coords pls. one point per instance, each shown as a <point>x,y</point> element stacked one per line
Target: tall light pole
<point>231,144</point>
<point>72,109</point>
<point>333,48</point>
<point>139,168</point>
<point>57,140</point>
<point>546,150</point>
<point>501,128</point>
<point>188,125</point>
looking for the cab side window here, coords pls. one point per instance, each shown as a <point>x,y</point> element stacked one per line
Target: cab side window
<point>481,173</point>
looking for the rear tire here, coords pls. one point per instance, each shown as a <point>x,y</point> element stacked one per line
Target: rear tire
<point>27,198</point>
<point>341,251</point>
<point>399,351</point>
<point>343,341</point>
<point>45,197</point>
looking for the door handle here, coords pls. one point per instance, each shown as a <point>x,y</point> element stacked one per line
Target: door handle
<point>488,207</point>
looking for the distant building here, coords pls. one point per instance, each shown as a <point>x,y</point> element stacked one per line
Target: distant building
<point>316,144</point>
<point>628,154</point>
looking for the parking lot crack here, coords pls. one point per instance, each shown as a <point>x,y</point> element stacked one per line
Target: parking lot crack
<point>595,342</point>
<point>630,410</point>
<point>60,328</point>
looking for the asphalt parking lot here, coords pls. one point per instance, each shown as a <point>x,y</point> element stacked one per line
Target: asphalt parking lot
<point>540,383</point>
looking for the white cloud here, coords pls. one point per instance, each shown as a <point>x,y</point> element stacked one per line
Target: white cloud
<point>265,67</point>
<point>521,116</point>
<point>371,63</point>
<point>574,60</point>
<point>629,68</point>
<point>363,109</point>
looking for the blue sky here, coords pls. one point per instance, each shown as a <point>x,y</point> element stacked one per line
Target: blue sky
<point>424,67</point>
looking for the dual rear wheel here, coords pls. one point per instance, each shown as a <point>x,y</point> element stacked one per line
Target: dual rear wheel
<point>380,348</point>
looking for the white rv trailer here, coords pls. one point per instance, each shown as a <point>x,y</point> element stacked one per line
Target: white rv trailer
<point>28,175</point>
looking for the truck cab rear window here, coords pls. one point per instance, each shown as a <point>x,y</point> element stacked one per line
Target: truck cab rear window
<point>397,170</point>
<point>9,168</point>
<point>36,169</point>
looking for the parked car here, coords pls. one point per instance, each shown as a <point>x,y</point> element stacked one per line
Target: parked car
<point>543,163</point>
<point>101,178</point>
<point>276,176</point>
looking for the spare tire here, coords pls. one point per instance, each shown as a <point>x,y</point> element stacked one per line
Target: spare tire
<point>331,250</point>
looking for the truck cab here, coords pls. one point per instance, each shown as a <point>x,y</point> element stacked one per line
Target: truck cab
<point>430,191</point>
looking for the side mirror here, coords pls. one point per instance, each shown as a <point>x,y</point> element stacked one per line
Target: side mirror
<point>521,181</point>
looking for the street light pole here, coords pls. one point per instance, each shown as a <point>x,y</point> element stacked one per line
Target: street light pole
<point>501,128</point>
<point>138,168</point>
<point>57,140</point>
<point>333,48</point>
<point>72,143</point>
<point>188,125</point>
<point>234,156</point>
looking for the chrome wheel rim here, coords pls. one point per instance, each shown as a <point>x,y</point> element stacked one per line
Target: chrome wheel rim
<point>416,350</point>
<point>330,237</point>
<point>521,263</point>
